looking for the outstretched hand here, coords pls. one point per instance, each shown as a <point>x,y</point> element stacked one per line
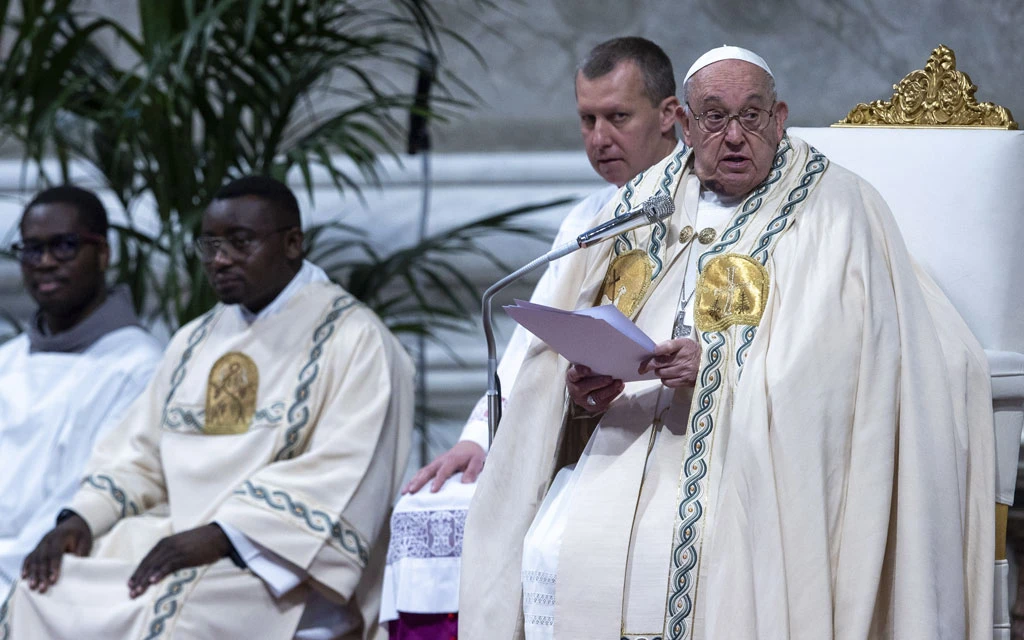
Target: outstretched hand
<point>466,456</point>
<point>192,548</point>
<point>41,568</point>
<point>675,362</point>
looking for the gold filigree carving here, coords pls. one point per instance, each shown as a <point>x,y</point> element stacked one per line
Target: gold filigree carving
<point>231,394</point>
<point>732,289</point>
<point>936,96</point>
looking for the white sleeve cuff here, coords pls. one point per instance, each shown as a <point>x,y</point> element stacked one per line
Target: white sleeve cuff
<point>279,574</point>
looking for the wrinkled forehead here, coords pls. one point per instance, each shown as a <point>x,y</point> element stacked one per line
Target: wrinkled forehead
<point>729,81</point>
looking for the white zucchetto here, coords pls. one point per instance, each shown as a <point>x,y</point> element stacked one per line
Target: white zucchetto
<point>727,52</point>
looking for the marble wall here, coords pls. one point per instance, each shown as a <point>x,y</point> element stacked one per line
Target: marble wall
<point>827,56</point>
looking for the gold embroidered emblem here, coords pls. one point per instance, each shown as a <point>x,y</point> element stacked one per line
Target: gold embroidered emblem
<point>685,234</point>
<point>627,281</point>
<point>732,289</point>
<point>707,235</point>
<point>231,394</point>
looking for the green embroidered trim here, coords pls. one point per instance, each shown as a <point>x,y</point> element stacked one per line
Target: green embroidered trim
<point>815,166</point>
<point>180,419</point>
<point>660,229</point>
<point>691,508</point>
<point>622,242</point>
<point>198,335</point>
<point>320,521</point>
<point>106,483</point>
<point>167,605</point>
<point>750,206</point>
<point>298,414</point>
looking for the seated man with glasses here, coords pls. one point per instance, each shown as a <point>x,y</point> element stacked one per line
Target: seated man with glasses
<point>246,493</point>
<point>80,362</point>
<point>813,457</point>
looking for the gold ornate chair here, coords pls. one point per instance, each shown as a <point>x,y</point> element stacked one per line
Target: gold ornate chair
<point>952,170</point>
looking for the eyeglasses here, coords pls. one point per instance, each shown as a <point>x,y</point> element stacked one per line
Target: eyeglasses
<point>236,245</point>
<point>64,247</point>
<point>752,119</point>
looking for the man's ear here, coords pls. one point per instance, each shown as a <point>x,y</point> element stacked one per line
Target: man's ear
<point>686,122</point>
<point>293,239</point>
<point>667,110</point>
<point>103,255</point>
<point>781,112</point>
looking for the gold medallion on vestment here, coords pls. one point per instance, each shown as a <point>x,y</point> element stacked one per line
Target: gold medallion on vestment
<point>627,281</point>
<point>231,394</point>
<point>732,289</point>
<point>685,234</point>
<point>707,235</point>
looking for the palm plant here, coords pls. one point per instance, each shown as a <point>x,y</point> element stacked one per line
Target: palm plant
<point>214,89</point>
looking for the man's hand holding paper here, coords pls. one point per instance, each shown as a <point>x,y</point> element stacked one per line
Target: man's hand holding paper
<point>606,350</point>
<point>675,362</point>
<point>601,338</point>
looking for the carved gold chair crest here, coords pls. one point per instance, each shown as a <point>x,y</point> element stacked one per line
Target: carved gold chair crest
<point>937,96</point>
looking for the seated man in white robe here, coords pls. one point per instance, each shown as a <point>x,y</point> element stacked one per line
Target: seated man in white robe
<point>81,361</point>
<point>625,98</point>
<point>246,492</point>
<point>814,456</point>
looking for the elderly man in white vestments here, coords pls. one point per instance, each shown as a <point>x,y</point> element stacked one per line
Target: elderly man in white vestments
<point>814,458</point>
<point>625,98</point>
<point>81,361</point>
<point>246,492</point>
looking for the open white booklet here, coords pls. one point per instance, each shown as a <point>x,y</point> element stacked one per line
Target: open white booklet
<point>600,337</point>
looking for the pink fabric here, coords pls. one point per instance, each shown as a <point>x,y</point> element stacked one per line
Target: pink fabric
<point>424,626</point>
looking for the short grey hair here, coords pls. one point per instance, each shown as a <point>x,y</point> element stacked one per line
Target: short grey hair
<point>654,65</point>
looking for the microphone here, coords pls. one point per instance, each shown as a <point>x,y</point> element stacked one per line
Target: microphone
<point>653,209</point>
<point>419,136</point>
<point>657,207</point>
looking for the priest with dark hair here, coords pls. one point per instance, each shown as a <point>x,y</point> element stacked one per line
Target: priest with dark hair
<point>246,493</point>
<point>68,378</point>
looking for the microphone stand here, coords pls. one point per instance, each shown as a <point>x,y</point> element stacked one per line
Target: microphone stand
<point>493,382</point>
<point>655,208</point>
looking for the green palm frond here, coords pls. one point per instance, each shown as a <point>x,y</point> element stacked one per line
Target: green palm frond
<point>210,90</point>
<point>421,288</point>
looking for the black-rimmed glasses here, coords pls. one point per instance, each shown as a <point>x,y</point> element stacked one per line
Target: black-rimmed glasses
<point>64,247</point>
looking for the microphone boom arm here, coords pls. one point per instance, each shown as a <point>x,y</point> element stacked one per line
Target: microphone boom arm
<point>493,384</point>
<point>655,208</point>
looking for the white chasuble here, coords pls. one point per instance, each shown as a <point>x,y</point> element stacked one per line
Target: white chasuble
<point>832,469</point>
<point>293,430</point>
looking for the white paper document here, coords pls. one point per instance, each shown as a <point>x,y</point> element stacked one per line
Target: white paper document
<point>600,337</point>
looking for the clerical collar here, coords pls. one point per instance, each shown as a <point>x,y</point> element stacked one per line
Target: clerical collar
<point>116,312</point>
<point>308,274</point>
